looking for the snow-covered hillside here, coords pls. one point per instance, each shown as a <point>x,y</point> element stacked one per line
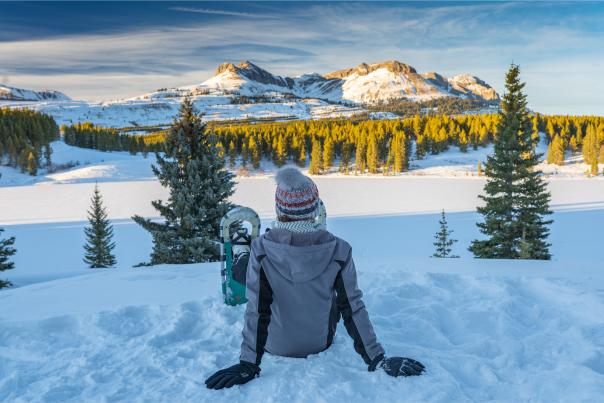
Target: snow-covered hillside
<point>486,330</point>
<point>365,83</point>
<point>18,94</point>
<point>310,96</point>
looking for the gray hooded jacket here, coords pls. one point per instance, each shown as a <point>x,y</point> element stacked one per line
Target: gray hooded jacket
<point>297,286</point>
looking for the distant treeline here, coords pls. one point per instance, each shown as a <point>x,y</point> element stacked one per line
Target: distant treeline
<point>87,135</point>
<point>25,138</point>
<point>358,145</point>
<point>437,106</point>
<point>361,145</point>
<point>574,133</point>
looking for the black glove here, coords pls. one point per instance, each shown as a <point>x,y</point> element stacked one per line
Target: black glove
<point>238,374</point>
<point>398,366</point>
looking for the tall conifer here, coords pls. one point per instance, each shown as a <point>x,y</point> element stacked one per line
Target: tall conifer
<point>516,199</point>
<point>99,235</point>
<point>199,187</point>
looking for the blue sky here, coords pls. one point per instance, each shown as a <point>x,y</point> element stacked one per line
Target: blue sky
<point>99,51</point>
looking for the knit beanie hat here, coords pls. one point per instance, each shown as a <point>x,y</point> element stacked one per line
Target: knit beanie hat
<point>297,196</point>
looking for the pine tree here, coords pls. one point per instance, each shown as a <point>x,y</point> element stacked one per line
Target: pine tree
<point>254,153</point>
<point>555,151</point>
<point>372,154</point>
<point>6,251</point>
<point>199,187</point>
<point>590,146</point>
<point>345,158</point>
<point>360,155</point>
<point>315,158</point>
<point>328,153</point>
<point>232,153</point>
<point>99,235</point>
<point>516,199</point>
<point>443,241</point>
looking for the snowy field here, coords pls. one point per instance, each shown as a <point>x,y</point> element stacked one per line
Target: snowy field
<point>503,331</point>
<point>142,111</point>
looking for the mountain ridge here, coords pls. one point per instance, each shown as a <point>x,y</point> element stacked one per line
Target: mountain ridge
<point>19,94</point>
<point>364,83</point>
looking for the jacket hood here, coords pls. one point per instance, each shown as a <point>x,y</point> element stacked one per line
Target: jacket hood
<point>299,257</point>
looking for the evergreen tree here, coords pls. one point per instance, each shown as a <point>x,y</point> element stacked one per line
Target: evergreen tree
<point>254,152</point>
<point>99,235</point>
<point>199,187</point>
<point>516,199</point>
<point>6,251</point>
<point>372,154</point>
<point>360,156</point>
<point>555,151</point>
<point>590,146</point>
<point>315,158</point>
<point>328,153</point>
<point>443,241</point>
<point>232,154</point>
<point>345,158</point>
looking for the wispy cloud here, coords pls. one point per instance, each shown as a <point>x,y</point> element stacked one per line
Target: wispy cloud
<point>481,39</point>
<point>214,12</point>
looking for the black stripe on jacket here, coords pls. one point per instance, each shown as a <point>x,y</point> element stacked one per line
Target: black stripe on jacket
<point>265,299</point>
<point>346,311</point>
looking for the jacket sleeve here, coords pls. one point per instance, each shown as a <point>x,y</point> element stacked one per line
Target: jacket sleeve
<point>258,310</point>
<point>352,308</point>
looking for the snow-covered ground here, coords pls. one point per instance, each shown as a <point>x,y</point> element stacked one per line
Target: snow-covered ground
<point>486,330</point>
<point>161,111</point>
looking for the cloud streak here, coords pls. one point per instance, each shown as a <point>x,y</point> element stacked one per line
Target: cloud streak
<point>481,39</point>
<point>215,12</point>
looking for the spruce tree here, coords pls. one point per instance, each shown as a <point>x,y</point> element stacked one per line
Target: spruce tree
<point>6,251</point>
<point>443,241</point>
<point>99,235</point>
<point>315,158</point>
<point>555,151</point>
<point>590,146</point>
<point>199,188</point>
<point>328,153</point>
<point>516,200</point>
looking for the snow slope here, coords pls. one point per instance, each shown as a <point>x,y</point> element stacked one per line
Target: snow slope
<point>19,94</point>
<point>160,332</point>
<point>487,330</point>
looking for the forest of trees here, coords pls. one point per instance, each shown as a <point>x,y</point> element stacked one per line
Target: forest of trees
<point>356,145</point>
<point>25,138</point>
<point>437,106</point>
<point>87,135</point>
<point>576,134</point>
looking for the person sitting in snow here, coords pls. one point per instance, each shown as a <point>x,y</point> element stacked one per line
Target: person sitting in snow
<point>300,279</point>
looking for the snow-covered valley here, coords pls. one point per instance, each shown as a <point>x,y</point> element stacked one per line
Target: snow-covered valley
<point>486,330</point>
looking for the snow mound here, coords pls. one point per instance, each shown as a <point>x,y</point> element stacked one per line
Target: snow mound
<point>161,332</point>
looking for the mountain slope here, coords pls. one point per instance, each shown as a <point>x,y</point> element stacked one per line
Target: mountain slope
<point>365,83</point>
<point>18,94</point>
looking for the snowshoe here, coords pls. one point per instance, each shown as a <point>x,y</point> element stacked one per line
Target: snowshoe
<point>235,250</point>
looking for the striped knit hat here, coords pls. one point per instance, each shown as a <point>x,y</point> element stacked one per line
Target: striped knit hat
<point>297,196</point>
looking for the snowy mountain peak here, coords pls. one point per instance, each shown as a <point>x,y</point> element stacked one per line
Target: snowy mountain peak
<point>363,69</point>
<point>18,94</point>
<point>365,83</point>
<point>248,71</point>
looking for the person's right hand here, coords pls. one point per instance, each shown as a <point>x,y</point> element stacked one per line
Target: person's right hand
<point>238,374</point>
